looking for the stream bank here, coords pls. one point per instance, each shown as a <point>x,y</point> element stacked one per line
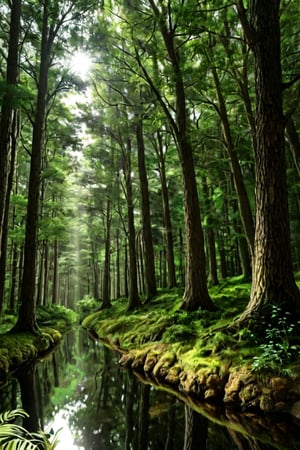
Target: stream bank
<point>19,349</point>
<point>192,353</point>
<point>236,388</point>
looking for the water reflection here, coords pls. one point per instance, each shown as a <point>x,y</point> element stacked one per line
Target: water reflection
<point>98,406</point>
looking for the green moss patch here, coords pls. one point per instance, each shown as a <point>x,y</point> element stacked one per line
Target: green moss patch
<point>17,349</point>
<point>200,339</point>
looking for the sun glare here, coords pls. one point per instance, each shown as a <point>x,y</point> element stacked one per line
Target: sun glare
<point>81,64</point>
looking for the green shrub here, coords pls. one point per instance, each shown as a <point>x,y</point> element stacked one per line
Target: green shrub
<point>277,340</point>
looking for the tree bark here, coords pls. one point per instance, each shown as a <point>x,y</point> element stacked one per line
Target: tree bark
<point>146,220</point>
<point>26,318</point>
<point>9,98</point>
<point>273,280</point>
<point>133,300</point>
<point>242,196</point>
<point>210,236</point>
<point>55,272</point>
<point>106,273</point>
<point>196,293</point>
<point>168,228</point>
<point>4,236</point>
<point>118,272</point>
<point>294,142</point>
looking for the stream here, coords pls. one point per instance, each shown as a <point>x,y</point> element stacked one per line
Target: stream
<point>80,390</point>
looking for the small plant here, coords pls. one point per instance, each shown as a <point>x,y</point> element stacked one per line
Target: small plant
<point>276,341</point>
<point>88,304</point>
<point>15,437</point>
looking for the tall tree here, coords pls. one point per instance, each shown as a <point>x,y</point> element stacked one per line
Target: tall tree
<point>8,101</point>
<point>160,145</point>
<point>51,23</point>
<point>145,207</point>
<point>8,127</point>
<point>196,293</point>
<point>273,279</point>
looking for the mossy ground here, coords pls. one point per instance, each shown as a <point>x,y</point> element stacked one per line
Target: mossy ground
<point>17,349</point>
<point>199,339</point>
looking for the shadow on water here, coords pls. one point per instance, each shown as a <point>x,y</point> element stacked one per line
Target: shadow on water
<point>99,406</point>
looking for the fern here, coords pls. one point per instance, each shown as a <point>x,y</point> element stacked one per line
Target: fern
<point>15,437</point>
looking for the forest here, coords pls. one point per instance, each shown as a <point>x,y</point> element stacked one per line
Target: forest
<point>150,160</point>
<point>147,146</point>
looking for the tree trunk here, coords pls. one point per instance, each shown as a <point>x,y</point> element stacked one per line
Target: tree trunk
<point>126,290</point>
<point>55,273</point>
<point>133,300</point>
<point>213,274</point>
<point>26,318</point>
<point>166,213</point>
<point>8,100</point>
<point>273,280</point>
<point>4,235</point>
<point>242,196</point>
<point>13,279</point>
<point>294,142</point>
<point>106,273</point>
<point>196,293</point>
<point>118,275</point>
<point>146,220</point>
<point>181,256</point>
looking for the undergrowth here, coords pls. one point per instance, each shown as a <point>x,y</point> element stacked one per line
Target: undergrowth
<point>202,337</point>
<point>277,340</point>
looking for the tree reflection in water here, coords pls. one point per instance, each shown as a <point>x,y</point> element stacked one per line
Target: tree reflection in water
<point>81,389</point>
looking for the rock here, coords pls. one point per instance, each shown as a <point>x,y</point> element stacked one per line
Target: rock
<point>150,362</point>
<point>126,360</point>
<point>190,385</point>
<point>250,395</point>
<point>213,381</point>
<point>280,407</point>
<point>139,361</point>
<point>173,375</point>
<point>236,381</point>
<point>295,410</point>
<point>279,387</point>
<point>266,402</point>
<point>162,367</point>
<point>212,395</point>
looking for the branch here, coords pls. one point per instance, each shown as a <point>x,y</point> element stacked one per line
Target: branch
<point>157,93</point>
<point>248,29</point>
<point>290,83</point>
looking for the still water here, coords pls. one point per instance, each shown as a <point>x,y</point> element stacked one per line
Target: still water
<point>80,390</point>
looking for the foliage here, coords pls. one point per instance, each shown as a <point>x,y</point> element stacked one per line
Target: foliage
<point>277,339</point>
<point>57,316</point>
<point>87,305</point>
<point>15,437</point>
